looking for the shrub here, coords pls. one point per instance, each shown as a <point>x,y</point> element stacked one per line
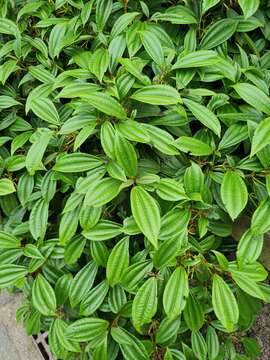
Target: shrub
<point>135,141</point>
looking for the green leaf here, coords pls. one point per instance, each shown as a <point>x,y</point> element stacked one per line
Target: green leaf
<point>153,47</point>
<point>10,273</point>
<point>43,296</point>
<point>234,193</point>
<point>144,304</point>
<point>41,139</point>
<point>176,15</point>
<point>218,33</point>
<point>249,7</point>
<point>122,22</point>
<point>170,190</point>
<point>45,109</point>
<point>38,219</point>
<point>196,59</point>
<point>212,343</point>
<point>8,241</point>
<point>192,145</point>
<point>104,230</point>
<point>87,329</point>
<point>157,95</point>
<point>198,344</point>
<point>125,155</point>
<point>253,96</point>
<point>102,191</point>
<point>224,303</point>
<point>103,11</point>
<point>117,262</point>
<point>249,247</point>
<point>175,293</point>
<point>6,187</point>
<point>261,137</point>
<point>208,4</point>
<point>260,222</point>
<point>204,115</point>
<point>82,283</point>
<point>106,104</point>
<point>193,313</point>
<point>146,214</point>
<point>76,162</point>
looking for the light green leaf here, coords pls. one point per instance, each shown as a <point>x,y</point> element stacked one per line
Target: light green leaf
<point>234,193</point>
<point>10,273</point>
<point>6,187</point>
<point>175,293</point>
<point>106,104</point>
<point>253,96</point>
<point>125,155</point>
<point>146,214</point>
<point>144,304</point>
<point>87,329</point>
<point>157,95</point>
<point>204,115</point>
<point>117,262</point>
<point>249,7</point>
<point>45,109</point>
<point>224,303</point>
<point>218,33</point>
<point>261,137</point>
<point>192,145</point>
<point>77,162</point>
<point>197,59</point>
<point>43,296</point>
<point>102,191</point>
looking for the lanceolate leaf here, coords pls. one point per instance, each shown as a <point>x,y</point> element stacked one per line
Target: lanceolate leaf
<point>144,304</point>
<point>234,193</point>
<point>224,303</point>
<point>146,214</point>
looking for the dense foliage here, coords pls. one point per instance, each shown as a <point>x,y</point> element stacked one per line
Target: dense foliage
<point>134,136</point>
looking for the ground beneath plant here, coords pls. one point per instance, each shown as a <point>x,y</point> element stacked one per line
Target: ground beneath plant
<point>261,332</point>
